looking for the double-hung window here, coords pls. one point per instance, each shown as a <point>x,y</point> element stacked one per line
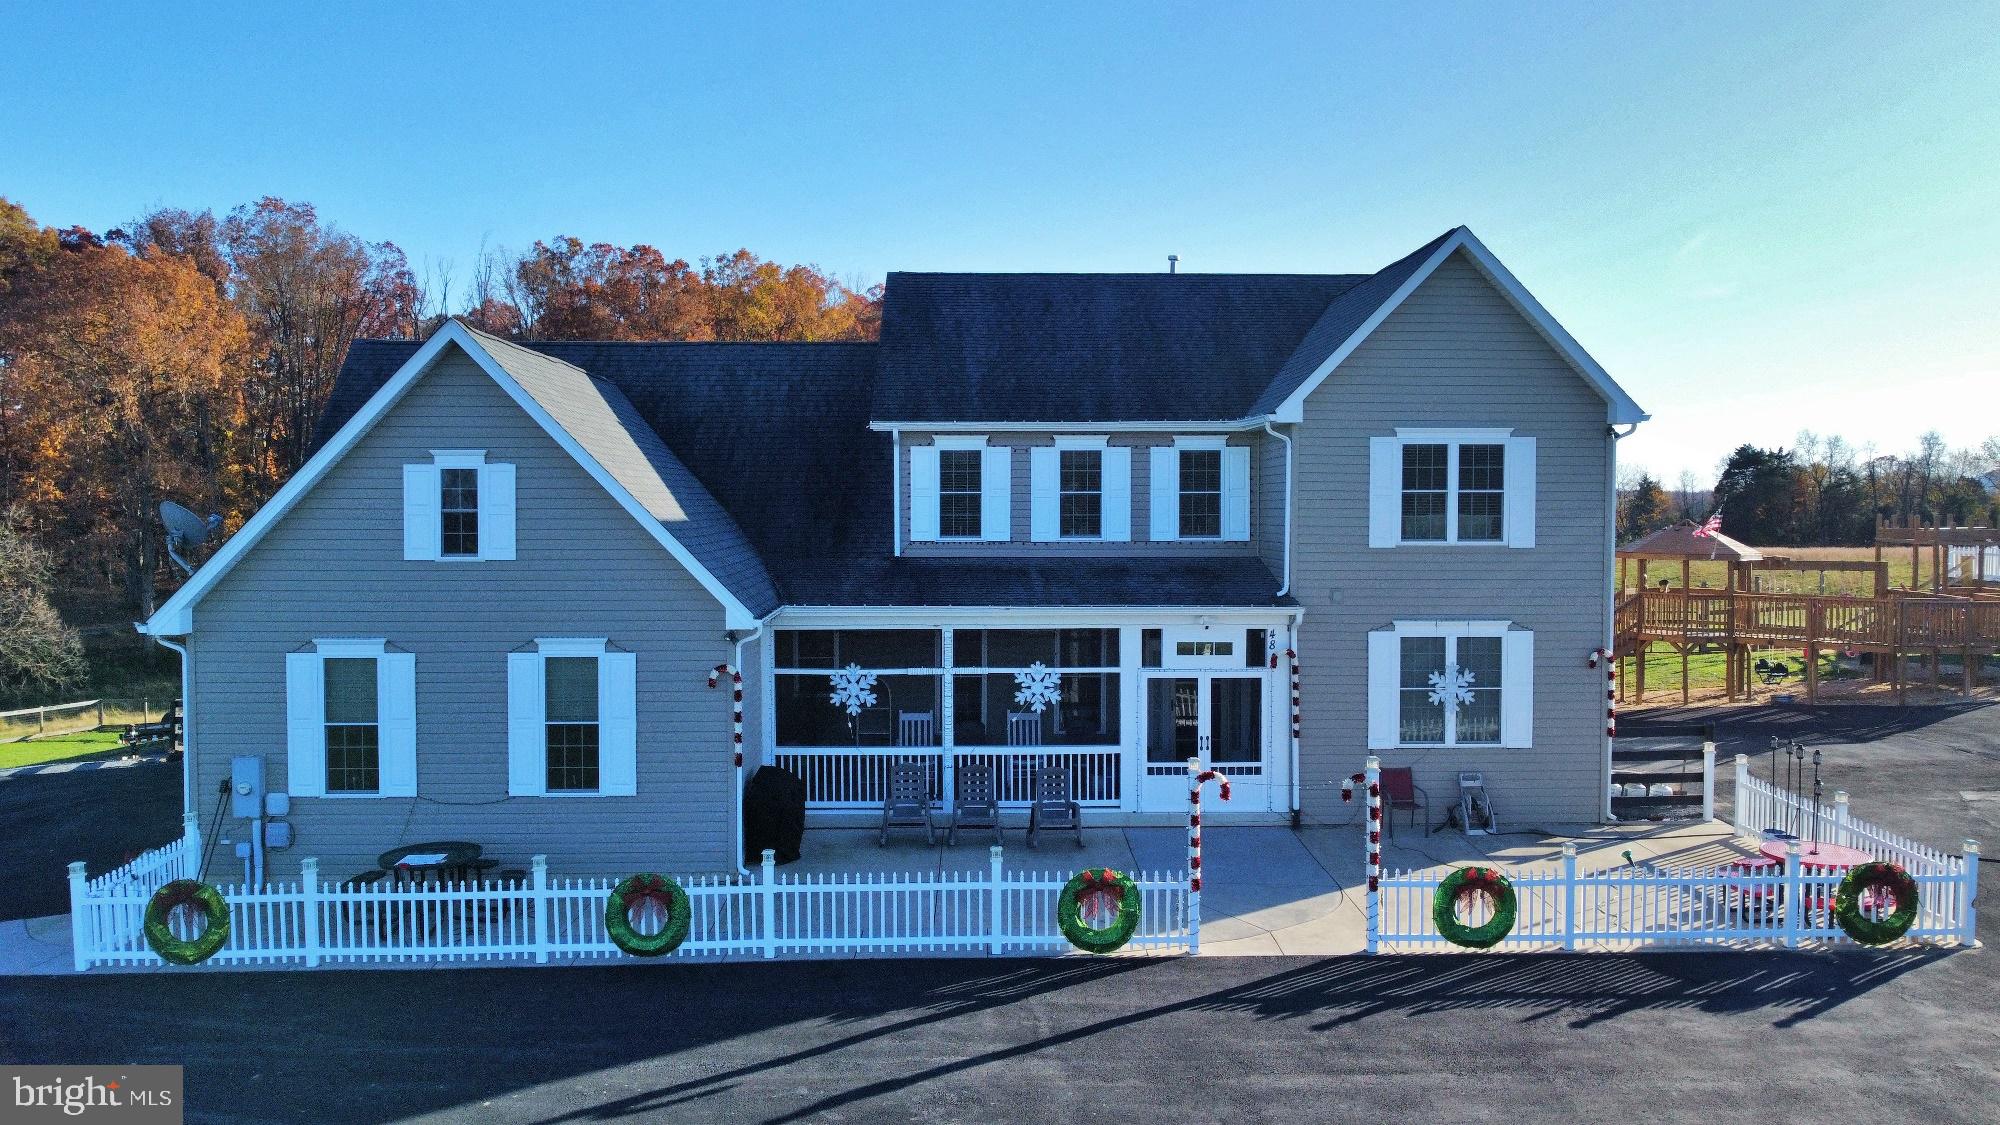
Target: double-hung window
<point>457,507</point>
<point>959,493</point>
<point>1080,496</point>
<point>572,719</point>
<point>1450,683</point>
<point>1201,490</point>
<point>1450,487</point>
<point>350,720</point>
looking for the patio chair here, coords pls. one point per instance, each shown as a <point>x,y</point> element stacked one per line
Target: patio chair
<point>916,728</point>
<point>1773,671</point>
<point>1024,728</point>
<point>1400,792</point>
<point>909,802</point>
<point>978,804</point>
<point>1053,808</point>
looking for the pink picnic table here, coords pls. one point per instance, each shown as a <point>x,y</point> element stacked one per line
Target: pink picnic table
<point>1820,857</point>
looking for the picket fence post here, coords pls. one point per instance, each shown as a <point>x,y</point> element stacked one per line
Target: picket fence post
<point>538,876</point>
<point>1739,818</point>
<point>81,932</point>
<point>309,903</point>
<point>1569,896</point>
<point>770,895</point>
<point>1969,929</point>
<point>1841,834</point>
<point>994,933</point>
<point>1708,781</point>
<point>190,865</point>
<point>1794,892</point>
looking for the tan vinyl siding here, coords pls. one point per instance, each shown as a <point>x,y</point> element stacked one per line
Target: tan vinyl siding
<point>1022,501</point>
<point>1456,354</point>
<point>585,568</point>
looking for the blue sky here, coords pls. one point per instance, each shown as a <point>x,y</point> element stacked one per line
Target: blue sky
<point>1760,218</point>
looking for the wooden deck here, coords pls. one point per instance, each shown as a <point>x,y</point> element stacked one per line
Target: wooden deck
<point>1904,623</point>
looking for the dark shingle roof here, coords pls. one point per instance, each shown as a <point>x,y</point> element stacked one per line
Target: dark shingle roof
<point>1341,319</point>
<point>1051,347</point>
<point>777,435</point>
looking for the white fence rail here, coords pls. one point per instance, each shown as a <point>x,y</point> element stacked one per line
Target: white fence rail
<point>1640,905</point>
<point>311,922</point>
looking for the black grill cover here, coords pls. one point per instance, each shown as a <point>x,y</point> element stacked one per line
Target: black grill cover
<point>774,815</point>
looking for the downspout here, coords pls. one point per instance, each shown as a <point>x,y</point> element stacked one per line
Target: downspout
<point>1611,585</point>
<point>1285,586</point>
<point>187,727</point>
<point>736,841</point>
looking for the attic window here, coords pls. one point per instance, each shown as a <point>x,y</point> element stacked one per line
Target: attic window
<point>959,493</point>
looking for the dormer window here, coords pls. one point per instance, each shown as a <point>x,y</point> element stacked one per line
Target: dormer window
<point>960,491</point>
<point>458,507</point>
<point>1080,496</point>
<point>1082,490</point>
<point>1201,493</point>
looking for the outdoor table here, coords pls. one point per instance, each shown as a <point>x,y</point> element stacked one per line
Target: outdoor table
<point>1825,857</point>
<point>427,862</point>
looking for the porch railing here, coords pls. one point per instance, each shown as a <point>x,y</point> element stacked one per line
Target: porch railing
<point>311,922</point>
<point>857,777</point>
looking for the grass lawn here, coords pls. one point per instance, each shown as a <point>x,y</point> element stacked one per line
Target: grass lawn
<point>1706,672</point>
<point>56,748</point>
<point>1714,575</point>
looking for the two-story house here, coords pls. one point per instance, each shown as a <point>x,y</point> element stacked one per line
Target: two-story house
<point>1098,521</point>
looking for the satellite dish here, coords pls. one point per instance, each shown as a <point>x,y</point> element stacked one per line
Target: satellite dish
<point>186,531</point>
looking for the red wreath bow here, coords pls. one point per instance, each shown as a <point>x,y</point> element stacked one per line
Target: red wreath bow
<point>1105,880</point>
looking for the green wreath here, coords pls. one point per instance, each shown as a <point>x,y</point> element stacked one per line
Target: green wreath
<point>1876,880</point>
<point>214,912</point>
<point>629,892</point>
<point>1095,882</point>
<point>1465,881</point>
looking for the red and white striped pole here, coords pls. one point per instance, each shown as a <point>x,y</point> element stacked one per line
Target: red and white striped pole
<point>1197,777</point>
<point>1604,656</point>
<point>1292,658</point>
<point>736,720</point>
<point>1371,776</point>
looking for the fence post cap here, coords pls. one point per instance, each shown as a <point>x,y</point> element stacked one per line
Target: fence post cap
<point>77,870</point>
<point>994,851</point>
<point>1971,846</point>
<point>1569,849</point>
<point>309,863</point>
<point>1373,763</point>
<point>1840,796</point>
<point>770,856</point>
<point>539,860</point>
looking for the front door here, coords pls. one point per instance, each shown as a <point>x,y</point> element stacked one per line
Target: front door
<point>1219,717</point>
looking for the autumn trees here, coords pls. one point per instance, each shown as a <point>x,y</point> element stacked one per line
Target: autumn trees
<point>189,357</point>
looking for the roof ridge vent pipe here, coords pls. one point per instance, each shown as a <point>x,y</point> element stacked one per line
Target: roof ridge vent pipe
<point>1173,263</point>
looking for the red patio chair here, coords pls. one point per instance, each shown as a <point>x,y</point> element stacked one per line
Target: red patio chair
<point>1400,791</point>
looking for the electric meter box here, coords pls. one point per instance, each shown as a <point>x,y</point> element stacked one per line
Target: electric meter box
<point>246,788</point>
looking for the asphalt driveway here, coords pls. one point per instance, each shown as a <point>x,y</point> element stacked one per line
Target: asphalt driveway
<point>100,816</point>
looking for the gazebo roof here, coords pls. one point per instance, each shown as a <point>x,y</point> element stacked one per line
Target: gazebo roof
<point>1681,542</point>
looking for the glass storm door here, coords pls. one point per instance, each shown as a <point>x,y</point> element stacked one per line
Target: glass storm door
<point>1218,717</point>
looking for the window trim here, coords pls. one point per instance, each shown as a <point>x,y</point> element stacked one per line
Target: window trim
<point>1383,677</point>
<point>1183,447</point>
<point>396,749</point>
<point>423,500</point>
<point>1061,492</point>
<point>615,760</point>
<point>978,494</point>
<point>1453,440</point>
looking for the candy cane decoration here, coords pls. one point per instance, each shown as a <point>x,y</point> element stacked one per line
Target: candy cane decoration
<point>736,687</point>
<point>1292,657</point>
<point>1372,777</point>
<point>1198,777</point>
<point>1598,656</point>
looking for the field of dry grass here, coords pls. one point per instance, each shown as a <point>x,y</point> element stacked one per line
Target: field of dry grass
<point>1703,574</point>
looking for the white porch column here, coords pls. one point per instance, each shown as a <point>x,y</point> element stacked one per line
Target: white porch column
<point>948,716</point>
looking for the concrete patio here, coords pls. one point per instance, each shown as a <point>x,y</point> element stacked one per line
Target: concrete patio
<point>1270,891</point>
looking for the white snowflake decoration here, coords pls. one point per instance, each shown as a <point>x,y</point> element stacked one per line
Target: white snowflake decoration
<point>1040,686</point>
<point>853,689</point>
<point>1451,687</point>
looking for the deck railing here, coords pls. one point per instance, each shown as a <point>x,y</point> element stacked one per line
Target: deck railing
<point>311,922</point>
<point>1795,619</point>
<point>857,777</point>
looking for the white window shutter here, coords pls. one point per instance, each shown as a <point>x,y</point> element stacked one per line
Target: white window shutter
<point>305,725</point>
<point>617,724</point>
<point>1519,479</point>
<point>1236,493</point>
<point>527,747</point>
<point>996,494</point>
<point>1166,489</point>
<point>1385,491</point>
<point>1385,674</point>
<point>1517,688</point>
<point>1045,493</point>
<point>924,494</point>
<point>1118,493</point>
<point>421,520</point>
<point>496,512</point>
<point>396,722</point>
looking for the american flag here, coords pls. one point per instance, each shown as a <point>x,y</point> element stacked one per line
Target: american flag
<point>1713,526</point>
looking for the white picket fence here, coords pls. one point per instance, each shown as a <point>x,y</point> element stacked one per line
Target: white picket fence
<point>1641,905</point>
<point>311,922</point>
